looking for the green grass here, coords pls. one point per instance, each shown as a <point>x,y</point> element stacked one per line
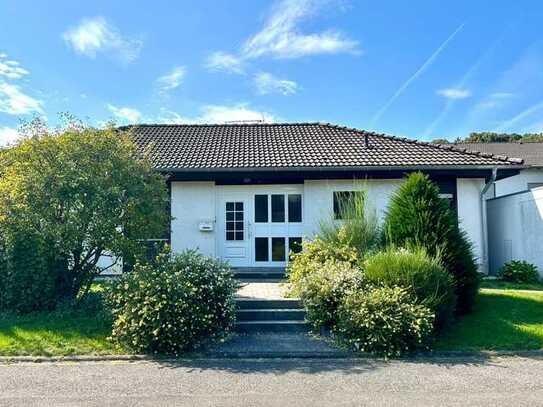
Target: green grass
<point>500,284</point>
<point>59,333</point>
<point>503,319</point>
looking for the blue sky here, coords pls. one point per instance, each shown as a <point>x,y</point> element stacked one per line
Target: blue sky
<point>421,69</point>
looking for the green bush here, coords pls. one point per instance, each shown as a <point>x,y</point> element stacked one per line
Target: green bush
<point>315,253</point>
<point>420,275</point>
<point>384,320</point>
<point>175,304</point>
<point>519,271</point>
<point>417,216</point>
<point>26,281</point>
<point>357,228</point>
<point>323,289</point>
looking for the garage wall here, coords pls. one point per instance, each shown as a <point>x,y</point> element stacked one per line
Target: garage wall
<point>192,203</point>
<point>515,229</point>
<point>519,183</point>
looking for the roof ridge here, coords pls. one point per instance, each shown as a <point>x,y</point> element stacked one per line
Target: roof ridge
<point>432,145</point>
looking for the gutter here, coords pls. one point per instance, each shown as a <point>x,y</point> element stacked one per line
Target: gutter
<point>484,220</point>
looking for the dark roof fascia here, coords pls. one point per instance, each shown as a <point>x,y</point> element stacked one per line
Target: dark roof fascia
<point>345,168</point>
<point>248,176</point>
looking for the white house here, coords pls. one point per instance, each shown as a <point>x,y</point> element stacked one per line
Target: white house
<point>249,193</point>
<point>515,207</point>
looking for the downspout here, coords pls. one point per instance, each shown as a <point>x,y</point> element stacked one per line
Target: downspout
<point>484,221</point>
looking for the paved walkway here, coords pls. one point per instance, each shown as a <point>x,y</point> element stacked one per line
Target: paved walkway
<point>510,381</point>
<point>262,291</point>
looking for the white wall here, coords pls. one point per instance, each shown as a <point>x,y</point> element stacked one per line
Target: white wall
<point>319,201</point>
<point>470,218</point>
<point>515,229</point>
<point>519,182</point>
<point>192,203</point>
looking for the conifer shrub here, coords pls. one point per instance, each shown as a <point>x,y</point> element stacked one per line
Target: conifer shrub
<point>417,216</point>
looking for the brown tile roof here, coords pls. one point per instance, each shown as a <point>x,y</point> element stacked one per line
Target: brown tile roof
<point>530,152</point>
<point>294,145</point>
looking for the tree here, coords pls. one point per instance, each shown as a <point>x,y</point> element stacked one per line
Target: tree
<point>417,216</point>
<point>440,141</point>
<point>492,137</point>
<point>81,192</point>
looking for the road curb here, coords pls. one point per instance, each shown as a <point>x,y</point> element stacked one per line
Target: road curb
<point>267,355</point>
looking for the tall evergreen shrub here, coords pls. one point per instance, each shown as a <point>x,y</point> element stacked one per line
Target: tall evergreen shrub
<point>417,216</point>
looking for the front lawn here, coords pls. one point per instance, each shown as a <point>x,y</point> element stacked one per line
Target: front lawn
<point>58,333</point>
<point>503,319</point>
<point>506,285</point>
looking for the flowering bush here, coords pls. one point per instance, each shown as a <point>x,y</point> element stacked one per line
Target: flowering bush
<point>174,304</point>
<point>519,271</point>
<point>384,320</point>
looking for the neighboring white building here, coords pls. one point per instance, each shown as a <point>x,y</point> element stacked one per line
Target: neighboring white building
<point>532,155</point>
<point>515,206</point>
<point>249,193</point>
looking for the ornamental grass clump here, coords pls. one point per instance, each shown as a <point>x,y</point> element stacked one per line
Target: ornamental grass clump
<point>419,274</point>
<point>174,304</point>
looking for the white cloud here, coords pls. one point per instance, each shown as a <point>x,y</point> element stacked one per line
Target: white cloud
<point>454,93</point>
<point>125,114</point>
<point>172,79</point>
<point>281,36</point>
<point>96,35</point>
<point>14,101</point>
<point>220,114</point>
<point>8,136</point>
<point>222,61</point>
<point>494,100</point>
<point>267,83</point>
<point>11,69</point>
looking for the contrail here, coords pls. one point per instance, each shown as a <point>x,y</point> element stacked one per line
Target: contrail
<point>467,76</point>
<point>406,84</point>
<point>532,109</point>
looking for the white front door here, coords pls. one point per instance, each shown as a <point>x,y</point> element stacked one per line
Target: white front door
<point>259,225</point>
<point>233,230</point>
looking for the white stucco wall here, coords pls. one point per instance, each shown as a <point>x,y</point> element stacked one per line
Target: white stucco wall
<point>515,229</point>
<point>192,203</point>
<point>519,182</point>
<point>319,201</point>
<point>470,215</point>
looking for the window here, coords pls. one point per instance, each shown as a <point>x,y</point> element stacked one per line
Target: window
<point>294,208</point>
<point>261,208</point>
<point>278,208</point>
<point>261,249</point>
<point>234,221</point>
<point>343,200</point>
<point>278,249</point>
<point>295,244</point>
<point>449,198</point>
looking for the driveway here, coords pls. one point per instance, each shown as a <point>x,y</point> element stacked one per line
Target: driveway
<point>453,381</point>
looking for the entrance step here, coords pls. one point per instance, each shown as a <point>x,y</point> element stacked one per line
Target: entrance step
<point>272,326</point>
<point>259,273</point>
<point>272,314</point>
<point>275,315</point>
<point>286,303</point>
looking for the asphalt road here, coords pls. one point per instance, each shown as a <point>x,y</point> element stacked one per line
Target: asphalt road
<point>507,381</point>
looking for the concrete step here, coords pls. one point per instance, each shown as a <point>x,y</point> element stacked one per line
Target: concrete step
<point>276,314</point>
<point>283,303</point>
<point>256,276</point>
<point>272,326</point>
